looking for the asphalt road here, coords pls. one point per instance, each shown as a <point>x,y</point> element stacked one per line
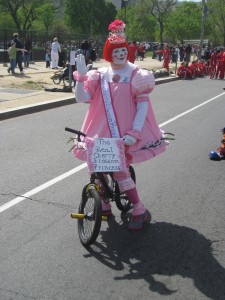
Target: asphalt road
<point>181,255</point>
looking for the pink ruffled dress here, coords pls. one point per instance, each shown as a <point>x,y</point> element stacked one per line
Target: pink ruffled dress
<point>127,87</point>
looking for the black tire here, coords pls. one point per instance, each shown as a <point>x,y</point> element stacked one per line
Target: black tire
<point>122,202</point>
<point>66,81</point>
<point>56,79</point>
<point>89,227</point>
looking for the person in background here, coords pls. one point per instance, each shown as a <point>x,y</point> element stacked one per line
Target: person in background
<point>183,71</point>
<point>177,53</point>
<point>166,56</point>
<point>12,51</point>
<point>55,53</point>
<point>141,51</point>
<point>181,53</point>
<point>27,47</point>
<point>85,50</point>
<point>133,49</point>
<point>219,64</point>
<point>194,68</point>
<point>19,53</point>
<point>213,62</point>
<point>159,54</point>
<point>202,67</point>
<point>222,60</point>
<point>187,53</point>
<point>47,59</point>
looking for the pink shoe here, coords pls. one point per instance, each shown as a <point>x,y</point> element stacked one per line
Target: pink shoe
<point>137,222</point>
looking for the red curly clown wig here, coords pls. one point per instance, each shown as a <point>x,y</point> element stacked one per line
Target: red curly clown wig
<point>109,47</point>
<point>115,40</point>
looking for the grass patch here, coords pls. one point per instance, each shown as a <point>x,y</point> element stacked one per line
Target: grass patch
<point>33,85</point>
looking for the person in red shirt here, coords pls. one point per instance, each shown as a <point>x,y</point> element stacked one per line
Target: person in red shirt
<point>166,56</point>
<point>201,68</point>
<point>213,60</point>
<point>183,71</point>
<point>193,69</point>
<point>133,48</point>
<point>141,51</point>
<point>222,61</point>
<point>219,65</point>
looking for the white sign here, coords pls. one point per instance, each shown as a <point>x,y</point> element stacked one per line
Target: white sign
<point>105,155</point>
<point>72,58</point>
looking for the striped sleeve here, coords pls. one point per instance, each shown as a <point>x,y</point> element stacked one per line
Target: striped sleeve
<point>142,85</point>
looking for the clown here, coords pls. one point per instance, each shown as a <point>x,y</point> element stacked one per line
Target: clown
<point>129,115</point>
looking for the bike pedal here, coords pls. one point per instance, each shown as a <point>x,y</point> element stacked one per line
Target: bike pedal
<point>82,216</point>
<point>77,216</point>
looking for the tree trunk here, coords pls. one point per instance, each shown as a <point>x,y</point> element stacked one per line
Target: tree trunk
<point>161,27</point>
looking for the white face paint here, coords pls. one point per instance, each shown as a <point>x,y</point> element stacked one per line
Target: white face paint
<point>119,56</point>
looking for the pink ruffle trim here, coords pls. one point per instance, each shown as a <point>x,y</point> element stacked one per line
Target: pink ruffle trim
<point>79,78</point>
<point>135,134</point>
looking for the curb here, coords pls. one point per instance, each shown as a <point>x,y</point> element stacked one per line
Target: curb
<point>33,108</point>
<point>166,80</point>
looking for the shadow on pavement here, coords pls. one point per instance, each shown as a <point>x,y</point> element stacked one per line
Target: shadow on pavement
<point>161,249</point>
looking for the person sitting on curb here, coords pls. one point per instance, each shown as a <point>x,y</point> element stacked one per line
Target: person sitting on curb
<point>183,71</point>
<point>220,153</point>
<point>193,69</point>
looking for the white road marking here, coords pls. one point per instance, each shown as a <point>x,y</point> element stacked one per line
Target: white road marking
<point>190,110</point>
<point>77,169</point>
<point>41,188</point>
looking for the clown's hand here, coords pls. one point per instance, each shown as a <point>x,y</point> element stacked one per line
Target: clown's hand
<point>82,69</point>
<point>129,140</point>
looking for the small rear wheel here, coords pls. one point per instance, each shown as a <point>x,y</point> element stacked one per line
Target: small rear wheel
<point>90,206</point>
<point>122,202</point>
<point>56,79</point>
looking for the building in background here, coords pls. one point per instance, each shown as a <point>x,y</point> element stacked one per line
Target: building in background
<point>120,3</point>
<point>117,3</point>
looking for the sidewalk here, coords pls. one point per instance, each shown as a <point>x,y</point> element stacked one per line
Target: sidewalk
<point>16,99</point>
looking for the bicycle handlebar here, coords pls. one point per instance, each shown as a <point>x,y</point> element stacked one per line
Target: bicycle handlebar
<point>79,133</point>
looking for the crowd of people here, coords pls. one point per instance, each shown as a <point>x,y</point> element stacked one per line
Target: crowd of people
<point>19,53</point>
<point>212,63</point>
<point>193,64</point>
<point>55,57</point>
<point>137,51</point>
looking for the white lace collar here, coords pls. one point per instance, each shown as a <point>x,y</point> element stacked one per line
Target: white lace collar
<point>121,75</point>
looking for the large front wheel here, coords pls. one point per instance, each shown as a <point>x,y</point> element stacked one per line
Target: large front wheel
<point>90,206</point>
<point>66,81</point>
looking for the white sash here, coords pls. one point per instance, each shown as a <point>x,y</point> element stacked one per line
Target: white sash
<point>108,108</point>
